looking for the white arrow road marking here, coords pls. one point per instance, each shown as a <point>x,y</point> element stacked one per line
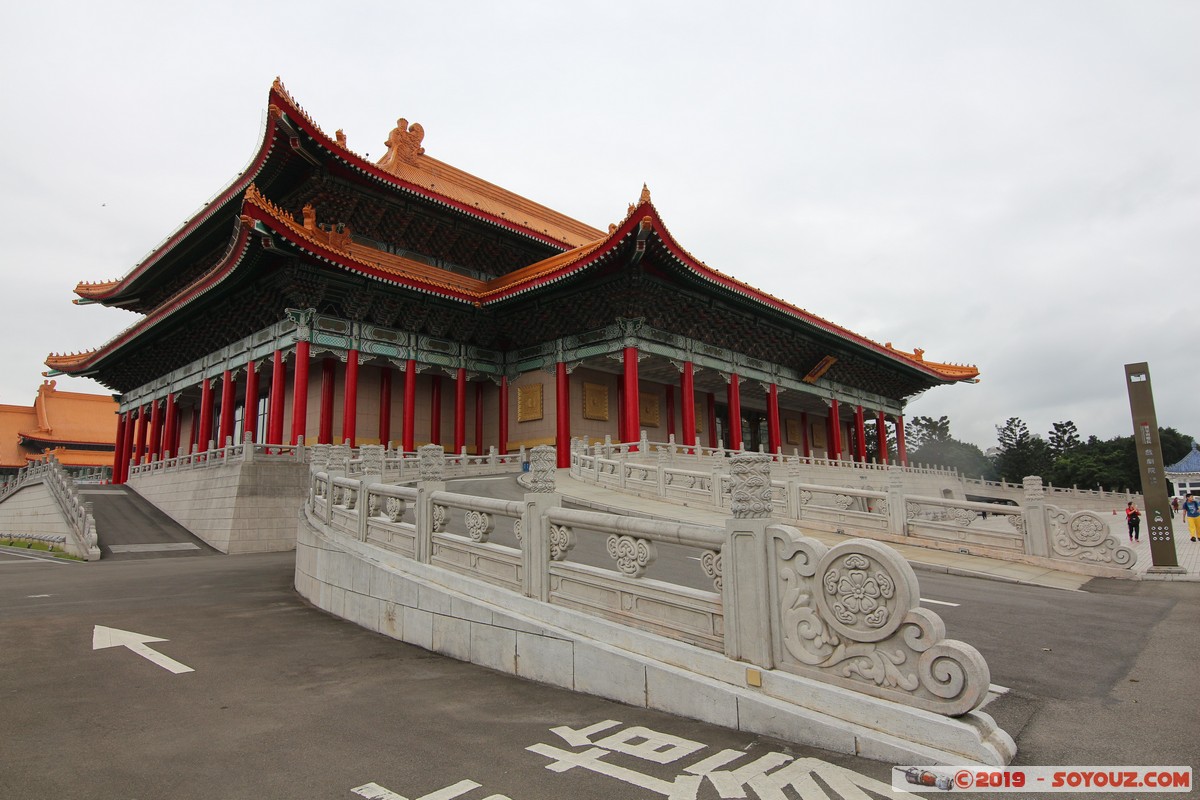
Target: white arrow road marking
<point>114,637</point>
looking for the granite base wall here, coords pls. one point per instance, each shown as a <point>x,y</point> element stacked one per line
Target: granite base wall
<point>33,509</point>
<point>241,507</point>
<point>470,621</point>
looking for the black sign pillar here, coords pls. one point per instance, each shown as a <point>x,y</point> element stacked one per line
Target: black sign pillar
<point>1150,465</point>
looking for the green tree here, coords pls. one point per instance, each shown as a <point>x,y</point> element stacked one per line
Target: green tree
<point>1064,437</point>
<point>935,445</point>
<point>1021,453</point>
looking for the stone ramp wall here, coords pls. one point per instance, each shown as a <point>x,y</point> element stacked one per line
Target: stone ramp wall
<point>236,507</point>
<point>32,510</point>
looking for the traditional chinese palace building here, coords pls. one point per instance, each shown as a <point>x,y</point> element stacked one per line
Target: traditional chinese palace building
<point>404,301</point>
<point>73,427</point>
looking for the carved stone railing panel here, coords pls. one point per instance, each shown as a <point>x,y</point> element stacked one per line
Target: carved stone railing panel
<point>1086,537</point>
<point>431,462</point>
<point>633,555</point>
<point>394,508</point>
<point>710,562</point>
<point>562,541</point>
<point>479,525</point>
<point>850,615</point>
<point>543,465</point>
<point>750,486</point>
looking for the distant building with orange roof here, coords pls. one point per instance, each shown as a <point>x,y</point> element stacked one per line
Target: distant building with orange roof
<point>77,429</point>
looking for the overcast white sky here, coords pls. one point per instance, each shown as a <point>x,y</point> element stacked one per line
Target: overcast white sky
<point>1010,184</point>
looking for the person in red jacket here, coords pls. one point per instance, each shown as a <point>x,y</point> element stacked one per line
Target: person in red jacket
<point>1134,518</point>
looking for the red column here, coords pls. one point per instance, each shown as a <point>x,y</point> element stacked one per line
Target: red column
<point>632,411</point>
<point>562,415</point>
<point>250,410</point>
<point>687,396</point>
<point>325,424</point>
<point>170,445</point>
<point>835,431</point>
<point>901,451</point>
<point>711,408</point>
<point>881,449</point>
<point>479,418</point>
<point>670,409</point>
<point>275,414</point>
<point>435,410</point>
<point>385,406</point>
<point>408,428</point>
<point>804,434</point>
<point>228,389</point>
<point>195,430</point>
<point>141,446</point>
<point>860,435</point>
<point>300,393</point>
<point>154,447</point>
<point>460,409</point>
<point>735,413</point>
<point>350,400</point>
<point>119,450</point>
<point>206,414</point>
<point>773,442</point>
<point>502,446</point>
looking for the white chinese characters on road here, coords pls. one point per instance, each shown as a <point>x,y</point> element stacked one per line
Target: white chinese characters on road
<point>597,748</point>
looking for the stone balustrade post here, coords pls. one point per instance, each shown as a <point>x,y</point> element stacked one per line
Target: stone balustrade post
<point>431,463</point>
<point>247,446</point>
<point>372,473</point>
<point>744,593</point>
<point>662,464</point>
<point>897,503</point>
<point>1033,513</point>
<point>536,531</point>
<point>715,486</point>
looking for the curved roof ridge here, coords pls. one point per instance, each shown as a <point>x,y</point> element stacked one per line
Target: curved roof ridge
<point>737,286</point>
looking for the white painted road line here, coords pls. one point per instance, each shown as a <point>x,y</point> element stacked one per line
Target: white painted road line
<point>35,559</point>
<point>939,602</point>
<point>152,548</point>
<point>103,637</point>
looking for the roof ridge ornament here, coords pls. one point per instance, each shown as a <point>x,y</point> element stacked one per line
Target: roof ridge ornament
<point>403,146</point>
<point>645,196</point>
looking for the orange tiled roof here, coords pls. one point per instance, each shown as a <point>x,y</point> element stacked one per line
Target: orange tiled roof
<point>78,458</point>
<point>955,372</point>
<point>14,419</point>
<point>406,160</point>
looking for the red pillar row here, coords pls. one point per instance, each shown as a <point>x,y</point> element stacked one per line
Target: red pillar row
<point>350,400</point>
<point>503,436</point>
<point>385,407</point>
<point>773,441</point>
<point>479,418</point>
<point>275,411</point>
<point>901,450</point>
<point>881,448</point>
<point>408,432</point>
<point>250,411</point>
<point>119,449</point>
<point>735,413</point>
<point>460,409</point>
<point>154,446</point>
<point>300,393</point>
<point>170,445</point>
<point>860,435</point>
<point>206,414</point>
<point>562,410</point>
<point>687,396</point>
<point>835,431</point>
<point>631,412</point>
<point>228,390</point>
<point>325,421</point>
<point>435,410</point>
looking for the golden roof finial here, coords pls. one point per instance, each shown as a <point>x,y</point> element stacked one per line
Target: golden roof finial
<point>645,197</point>
<point>403,145</point>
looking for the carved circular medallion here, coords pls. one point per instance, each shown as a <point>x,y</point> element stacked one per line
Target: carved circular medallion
<point>866,590</point>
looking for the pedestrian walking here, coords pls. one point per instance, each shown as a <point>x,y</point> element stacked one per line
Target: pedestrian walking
<point>1174,507</point>
<point>1133,518</point>
<point>1191,511</point>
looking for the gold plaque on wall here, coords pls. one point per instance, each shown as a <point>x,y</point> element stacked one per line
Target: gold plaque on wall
<point>648,410</point>
<point>595,401</point>
<point>700,417</point>
<point>794,432</point>
<point>529,402</point>
<point>818,434</point>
